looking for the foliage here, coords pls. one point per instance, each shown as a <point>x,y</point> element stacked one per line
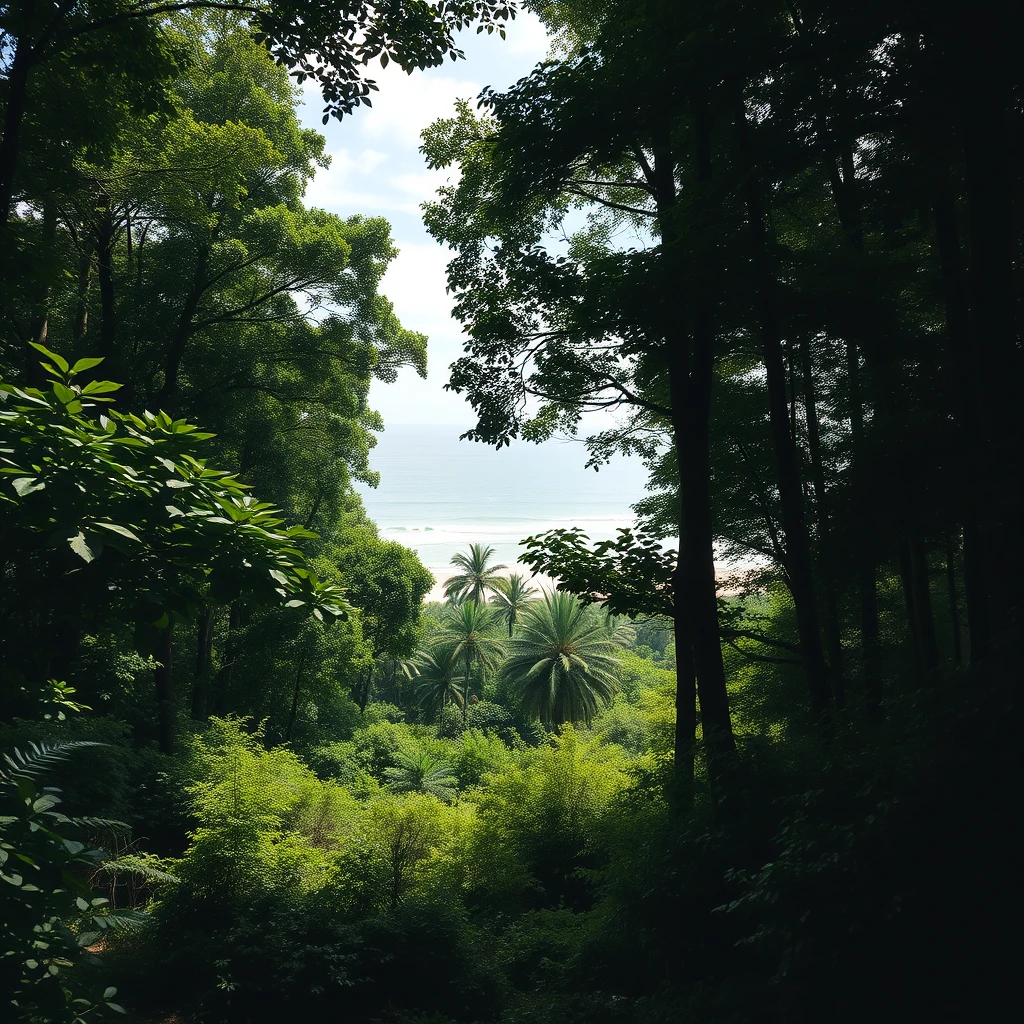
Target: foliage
<point>563,663</point>
<point>50,915</point>
<point>477,578</point>
<point>421,774</point>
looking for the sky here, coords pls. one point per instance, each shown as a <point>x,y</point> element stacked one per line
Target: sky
<point>377,170</point>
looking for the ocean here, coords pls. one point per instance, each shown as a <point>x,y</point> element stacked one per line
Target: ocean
<point>438,494</point>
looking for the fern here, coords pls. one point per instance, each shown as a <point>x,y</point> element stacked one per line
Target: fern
<point>40,758</point>
<point>139,866</point>
<point>101,824</point>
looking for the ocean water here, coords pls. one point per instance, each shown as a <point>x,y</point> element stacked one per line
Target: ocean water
<point>438,494</point>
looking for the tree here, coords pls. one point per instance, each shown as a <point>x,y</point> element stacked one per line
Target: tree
<point>563,664</point>
<point>469,629</point>
<point>329,44</point>
<point>118,517</point>
<point>513,597</point>
<point>477,578</point>
<point>422,773</point>
<point>438,676</point>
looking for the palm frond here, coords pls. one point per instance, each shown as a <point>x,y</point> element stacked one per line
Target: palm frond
<point>40,758</point>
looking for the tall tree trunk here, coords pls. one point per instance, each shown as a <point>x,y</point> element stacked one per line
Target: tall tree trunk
<point>184,330</point>
<point>222,681</point>
<point>690,365</point>
<point>909,595</point>
<point>833,633</point>
<point>81,324</point>
<point>958,330</point>
<point>799,567</point>
<point>105,241</point>
<point>204,659</point>
<point>17,90</point>
<point>40,326</point>
<point>686,711</point>
<point>295,697</point>
<point>919,576</point>
<point>163,676</point>
<point>954,599</point>
<point>985,58</point>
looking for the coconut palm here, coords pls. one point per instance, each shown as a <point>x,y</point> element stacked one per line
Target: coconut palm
<point>469,628</point>
<point>563,665</point>
<point>437,680</point>
<point>477,578</point>
<point>513,597</point>
<point>421,773</point>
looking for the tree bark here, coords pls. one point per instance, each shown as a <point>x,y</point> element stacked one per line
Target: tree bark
<point>164,678</point>
<point>222,681</point>
<point>295,697</point>
<point>686,711</point>
<point>833,633</point>
<point>913,622</point>
<point>954,599</point>
<point>690,366</point>
<point>17,89</point>
<point>958,330</point>
<point>204,659</point>
<point>105,240</point>
<point>81,324</point>
<point>920,581</point>
<point>799,566</point>
<point>40,327</point>
<point>985,57</point>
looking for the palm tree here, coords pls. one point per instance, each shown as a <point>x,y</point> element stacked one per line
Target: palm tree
<point>477,577</point>
<point>437,678</point>
<point>563,664</point>
<point>513,597</point>
<point>469,629</point>
<point>421,773</point>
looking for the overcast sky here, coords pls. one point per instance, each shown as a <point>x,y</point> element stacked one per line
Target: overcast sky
<point>377,170</point>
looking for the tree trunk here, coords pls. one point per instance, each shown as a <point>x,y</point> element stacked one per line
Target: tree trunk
<point>183,332</point>
<point>164,678</point>
<point>833,633</point>
<point>17,89</point>
<point>105,240</point>
<point>40,326</point>
<point>799,567</point>
<point>222,681</point>
<point>958,329</point>
<point>954,599</point>
<point>919,575</point>
<point>204,659</point>
<point>913,622</point>
<point>295,697</point>
<point>686,711</point>
<point>81,324</point>
<point>985,56</point>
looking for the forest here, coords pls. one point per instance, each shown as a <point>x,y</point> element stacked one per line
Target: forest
<point>752,760</point>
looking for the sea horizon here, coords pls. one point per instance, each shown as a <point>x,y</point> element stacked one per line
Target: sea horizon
<point>437,494</point>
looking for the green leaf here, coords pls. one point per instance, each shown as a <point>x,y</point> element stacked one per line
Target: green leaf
<point>119,529</point>
<point>60,361</point>
<point>27,485</point>
<point>100,387</point>
<point>86,548</point>
<point>109,993</point>
<point>65,394</point>
<point>85,364</point>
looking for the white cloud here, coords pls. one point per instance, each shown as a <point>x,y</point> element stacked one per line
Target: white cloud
<point>406,104</point>
<point>342,187</point>
<point>527,37</point>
